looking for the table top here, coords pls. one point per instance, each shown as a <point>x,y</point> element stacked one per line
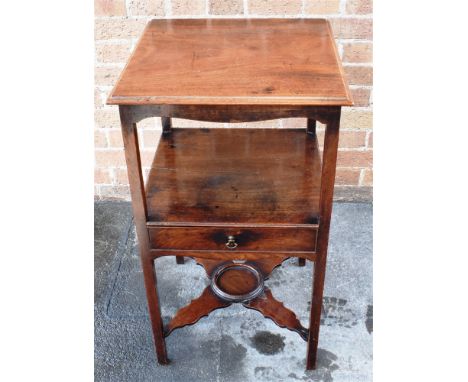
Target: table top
<point>232,176</point>
<point>234,62</point>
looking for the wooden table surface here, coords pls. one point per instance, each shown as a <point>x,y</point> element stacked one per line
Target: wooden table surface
<point>234,62</point>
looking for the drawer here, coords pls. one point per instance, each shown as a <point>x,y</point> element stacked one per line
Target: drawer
<point>234,239</point>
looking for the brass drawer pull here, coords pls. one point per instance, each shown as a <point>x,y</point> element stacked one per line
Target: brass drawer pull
<point>231,243</point>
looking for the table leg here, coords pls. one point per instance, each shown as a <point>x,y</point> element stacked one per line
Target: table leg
<point>180,260</point>
<point>149,275</point>
<point>137,189</point>
<point>311,129</point>
<point>166,123</point>
<point>311,126</point>
<point>330,150</point>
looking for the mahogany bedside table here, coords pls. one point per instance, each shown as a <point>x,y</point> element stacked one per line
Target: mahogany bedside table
<point>238,201</point>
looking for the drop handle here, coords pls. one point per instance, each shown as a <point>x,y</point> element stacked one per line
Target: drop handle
<point>231,242</point>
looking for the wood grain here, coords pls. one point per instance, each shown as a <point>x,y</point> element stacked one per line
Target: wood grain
<point>237,281</point>
<point>234,61</point>
<point>196,309</point>
<point>257,239</point>
<point>330,151</point>
<point>135,176</point>
<point>231,113</point>
<point>276,311</point>
<point>267,176</point>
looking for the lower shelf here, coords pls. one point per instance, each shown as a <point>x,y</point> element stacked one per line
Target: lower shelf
<point>238,282</point>
<point>235,176</point>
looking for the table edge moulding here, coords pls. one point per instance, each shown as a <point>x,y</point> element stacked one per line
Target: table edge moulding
<point>194,203</point>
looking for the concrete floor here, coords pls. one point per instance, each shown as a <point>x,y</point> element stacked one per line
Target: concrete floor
<point>233,344</point>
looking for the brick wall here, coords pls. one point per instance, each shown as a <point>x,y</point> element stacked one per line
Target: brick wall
<point>118,24</point>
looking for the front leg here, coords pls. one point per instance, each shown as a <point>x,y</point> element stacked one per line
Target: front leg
<point>135,177</point>
<point>330,151</point>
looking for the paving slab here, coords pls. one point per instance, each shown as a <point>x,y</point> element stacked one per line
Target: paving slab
<point>233,344</point>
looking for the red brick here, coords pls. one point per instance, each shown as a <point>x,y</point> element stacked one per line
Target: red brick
<point>115,139</point>
<point>176,122</point>
<point>115,192</point>
<point>226,7</point>
<point>151,138</point>
<point>106,76</point>
<point>354,158</point>
<point>146,7</point>
<point>147,157</point>
<point>115,53</point>
<point>109,8</point>
<point>370,141</point>
<point>120,176</point>
<point>352,139</point>
<point>118,28</point>
<point>150,123</point>
<point>368,178</point>
<point>188,7</point>
<point>102,176</point>
<point>267,7</point>
<point>107,118</point>
<point>350,119</point>
<point>356,118</point>
<point>360,96</point>
<point>97,98</point>
<point>357,52</point>
<point>352,28</point>
<point>109,158</point>
<point>321,7</point>
<point>294,123</point>
<point>347,177</point>
<point>359,7</point>
<point>272,123</point>
<point>358,75</point>
<point>347,140</point>
<point>100,140</point>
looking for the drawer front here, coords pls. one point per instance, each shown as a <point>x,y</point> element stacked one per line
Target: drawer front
<point>234,239</point>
